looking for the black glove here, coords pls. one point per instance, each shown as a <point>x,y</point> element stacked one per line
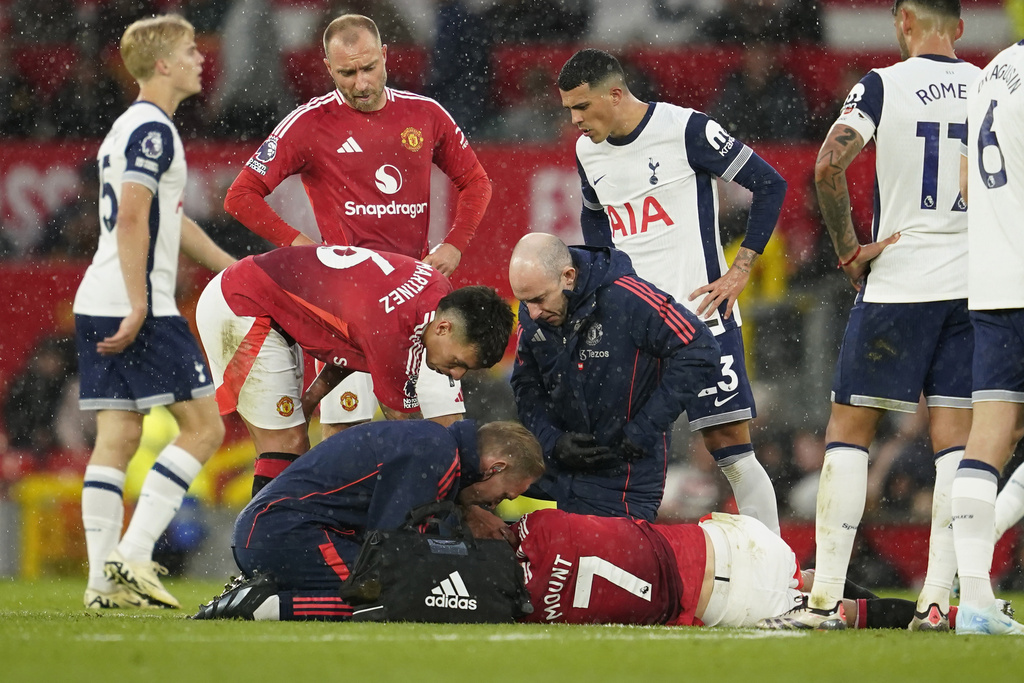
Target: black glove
<point>580,452</point>
<point>629,451</point>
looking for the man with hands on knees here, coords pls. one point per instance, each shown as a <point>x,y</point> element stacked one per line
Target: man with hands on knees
<point>605,363</point>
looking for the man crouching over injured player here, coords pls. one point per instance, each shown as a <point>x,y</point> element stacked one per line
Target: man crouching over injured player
<point>729,570</point>
<point>296,540</point>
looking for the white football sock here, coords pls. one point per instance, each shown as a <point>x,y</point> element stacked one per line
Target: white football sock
<point>755,495</point>
<point>842,492</point>
<point>1010,503</point>
<point>974,499</point>
<point>938,581</point>
<point>159,500</point>
<point>103,518</point>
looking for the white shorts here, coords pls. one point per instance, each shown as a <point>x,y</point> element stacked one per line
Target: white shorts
<point>353,399</point>
<point>264,376</point>
<point>755,572</point>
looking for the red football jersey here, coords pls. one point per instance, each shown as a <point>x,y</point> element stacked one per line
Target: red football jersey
<point>367,174</point>
<point>582,569</point>
<point>347,306</point>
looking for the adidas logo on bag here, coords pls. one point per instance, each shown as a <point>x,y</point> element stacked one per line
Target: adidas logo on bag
<point>451,594</point>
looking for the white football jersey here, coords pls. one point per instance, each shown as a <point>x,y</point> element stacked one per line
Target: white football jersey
<point>995,183</point>
<point>657,187</point>
<point>917,112</point>
<point>142,147</point>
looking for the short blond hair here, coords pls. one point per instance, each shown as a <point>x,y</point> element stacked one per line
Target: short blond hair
<point>513,442</point>
<point>147,40</point>
<point>347,28</point>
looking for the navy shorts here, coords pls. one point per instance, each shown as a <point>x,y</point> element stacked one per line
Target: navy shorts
<point>892,353</point>
<point>998,355</point>
<point>162,366</point>
<point>729,399</point>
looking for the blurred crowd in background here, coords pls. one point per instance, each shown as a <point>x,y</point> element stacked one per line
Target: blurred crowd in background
<point>60,74</point>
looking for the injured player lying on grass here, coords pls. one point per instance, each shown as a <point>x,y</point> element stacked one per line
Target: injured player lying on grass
<point>726,571</point>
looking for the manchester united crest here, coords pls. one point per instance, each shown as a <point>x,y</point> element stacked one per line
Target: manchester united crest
<point>349,401</point>
<point>285,406</point>
<point>412,139</point>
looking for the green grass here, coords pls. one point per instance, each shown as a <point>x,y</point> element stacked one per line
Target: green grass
<point>46,636</point>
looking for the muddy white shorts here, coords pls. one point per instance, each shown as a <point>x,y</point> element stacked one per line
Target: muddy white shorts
<point>755,572</point>
<point>256,371</point>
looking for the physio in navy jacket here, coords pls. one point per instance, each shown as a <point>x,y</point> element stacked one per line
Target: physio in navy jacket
<point>605,364</point>
<point>306,527</point>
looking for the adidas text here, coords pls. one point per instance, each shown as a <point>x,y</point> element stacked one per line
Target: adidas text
<point>450,602</point>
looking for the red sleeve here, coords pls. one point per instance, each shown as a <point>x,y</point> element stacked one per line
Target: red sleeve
<point>454,156</point>
<point>246,201</point>
<point>474,195</point>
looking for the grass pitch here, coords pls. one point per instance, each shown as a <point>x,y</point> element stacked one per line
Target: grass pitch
<point>46,636</point>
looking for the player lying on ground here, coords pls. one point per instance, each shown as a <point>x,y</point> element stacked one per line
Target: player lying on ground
<point>729,570</point>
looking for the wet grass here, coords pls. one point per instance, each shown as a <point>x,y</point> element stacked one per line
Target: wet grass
<point>46,636</point>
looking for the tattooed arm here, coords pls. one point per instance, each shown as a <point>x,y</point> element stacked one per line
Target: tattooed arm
<point>841,146</point>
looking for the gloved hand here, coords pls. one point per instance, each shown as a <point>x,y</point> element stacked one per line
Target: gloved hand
<point>580,452</point>
<point>629,451</point>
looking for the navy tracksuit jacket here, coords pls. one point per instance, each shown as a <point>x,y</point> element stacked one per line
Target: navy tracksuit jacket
<point>307,525</point>
<point>627,361</point>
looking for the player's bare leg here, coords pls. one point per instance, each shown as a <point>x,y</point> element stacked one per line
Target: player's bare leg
<point>275,450</point>
<point>730,445</point>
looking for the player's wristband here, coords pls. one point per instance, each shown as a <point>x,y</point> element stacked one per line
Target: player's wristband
<point>843,264</point>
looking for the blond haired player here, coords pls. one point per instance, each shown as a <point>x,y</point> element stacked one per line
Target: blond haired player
<point>135,350</point>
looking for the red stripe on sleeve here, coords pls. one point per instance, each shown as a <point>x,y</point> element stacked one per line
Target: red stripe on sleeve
<point>662,300</point>
<point>678,324</point>
<point>448,480</point>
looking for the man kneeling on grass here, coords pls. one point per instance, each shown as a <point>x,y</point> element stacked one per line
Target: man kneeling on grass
<point>297,539</point>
